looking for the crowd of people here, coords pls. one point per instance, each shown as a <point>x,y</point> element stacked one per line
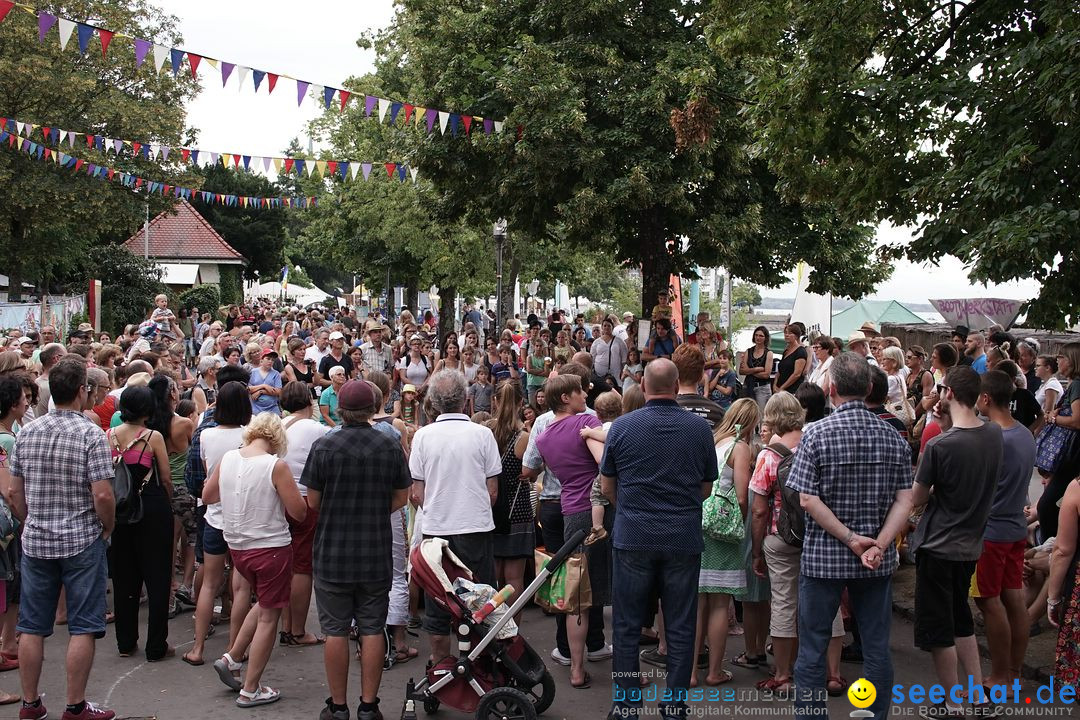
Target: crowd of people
<point>271,454</point>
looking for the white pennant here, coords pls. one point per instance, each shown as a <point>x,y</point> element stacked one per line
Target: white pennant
<point>66,28</point>
<point>444,117</point>
<point>243,73</point>
<point>309,165</point>
<point>161,56</point>
<point>412,171</point>
<point>498,126</point>
<point>19,127</point>
<point>63,136</point>
<point>317,91</point>
<point>154,150</point>
<point>353,169</point>
<point>71,138</point>
<point>384,105</point>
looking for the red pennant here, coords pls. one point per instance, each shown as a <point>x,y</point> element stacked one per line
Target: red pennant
<point>390,167</point>
<point>11,140</point>
<point>45,130</point>
<point>135,148</point>
<point>5,8</point>
<point>138,182</point>
<point>165,190</point>
<point>109,174</point>
<point>89,141</point>
<point>48,153</point>
<point>194,60</point>
<point>78,165</point>
<point>236,160</point>
<point>344,95</point>
<point>106,38</point>
<point>273,81</point>
<point>331,165</point>
<point>185,153</point>
<point>288,165</point>
<point>408,111</point>
<point>466,120</point>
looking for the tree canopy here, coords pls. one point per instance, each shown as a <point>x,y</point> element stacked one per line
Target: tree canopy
<point>959,118</point>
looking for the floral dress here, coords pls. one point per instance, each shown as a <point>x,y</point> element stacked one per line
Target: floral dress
<point>723,568</point>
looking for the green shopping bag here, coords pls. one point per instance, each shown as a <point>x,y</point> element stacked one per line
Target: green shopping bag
<point>568,589</point>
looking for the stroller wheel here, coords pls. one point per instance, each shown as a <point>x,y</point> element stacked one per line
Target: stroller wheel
<point>431,705</point>
<point>542,694</point>
<point>505,703</point>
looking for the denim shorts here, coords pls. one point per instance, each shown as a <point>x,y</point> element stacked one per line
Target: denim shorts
<point>213,541</point>
<point>83,576</point>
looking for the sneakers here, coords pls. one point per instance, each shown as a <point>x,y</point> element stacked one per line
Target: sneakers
<point>183,594</point>
<point>602,654</point>
<point>90,712</point>
<point>33,712</point>
<point>375,714</point>
<point>329,714</point>
<point>560,658</point>
<point>653,657</point>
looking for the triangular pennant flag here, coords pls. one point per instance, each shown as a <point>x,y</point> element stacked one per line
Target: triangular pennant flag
<point>384,105</point>
<point>235,160</point>
<point>161,56</point>
<point>444,118</point>
<point>273,81</point>
<point>214,157</point>
<point>19,127</point>
<point>431,115</point>
<point>193,60</point>
<point>106,38</point>
<point>353,169</point>
<point>277,165</point>
<point>226,158</point>
<point>328,96</point>
<point>195,157</point>
<point>226,70</point>
<point>331,166</point>
<point>141,48</point>
<point>312,167</point>
<point>389,169</point>
<point>401,173</point>
<point>185,154</point>
<point>85,32</point>
<point>408,112</point>
<point>343,170</point>
<point>135,147</point>
<point>343,96</point>
<point>369,104</point>
<point>66,28</point>
<point>299,167</point>
<point>247,161</point>
<point>395,108</point>
<point>44,24</point>
<point>301,90</point>
<point>289,162</point>
<point>498,126</point>
<point>165,150</point>
<point>117,145</point>
<point>367,169</point>
<point>5,8</point>
<point>266,164</point>
<point>322,166</point>
<point>243,74</point>
<point>412,171</point>
<point>487,126</point>
<point>466,120</point>
<point>212,63</point>
<point>454,117</point>
<point>63,136</point>
<point>177,57</point>
<point>258,75</point>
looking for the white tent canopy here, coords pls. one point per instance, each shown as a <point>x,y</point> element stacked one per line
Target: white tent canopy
<point>301,295</point>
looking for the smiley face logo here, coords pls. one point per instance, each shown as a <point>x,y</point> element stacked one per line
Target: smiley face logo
<point>862,693</point>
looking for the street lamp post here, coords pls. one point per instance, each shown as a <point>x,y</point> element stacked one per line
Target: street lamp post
<point>499,233</point>
<point>530,291</point>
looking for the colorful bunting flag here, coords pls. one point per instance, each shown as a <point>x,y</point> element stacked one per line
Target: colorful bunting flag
<point>5,8</point>
<point>177,57</point>
<point>193,61</point>
<point>141,48</point>
<point>66,28</point>
<point>161,56</point>
<point>106,37</point>
<point>45,23</point>
<point>226,70</point>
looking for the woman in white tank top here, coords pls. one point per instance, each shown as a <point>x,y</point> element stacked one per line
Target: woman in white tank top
<point>256,489</point>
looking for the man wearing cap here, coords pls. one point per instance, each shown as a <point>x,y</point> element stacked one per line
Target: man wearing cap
<point>26,347</point>
<point>265,385</point>
<point>859,344</point>
<point>620,329</point>
<point>362,475</point>
<point>336,356</point>
<point>377,355</point>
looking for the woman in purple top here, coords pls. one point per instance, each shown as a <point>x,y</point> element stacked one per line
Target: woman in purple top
<point>576,463</point>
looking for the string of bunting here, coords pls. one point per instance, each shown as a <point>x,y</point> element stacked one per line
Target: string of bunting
<point>105,173</point>
<point>174,57</point>
<point>345,169</point>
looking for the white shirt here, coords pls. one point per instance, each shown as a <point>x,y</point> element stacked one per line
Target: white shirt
<point>301,435</point>
<point>619,331</point>
<point>207,347</point>
<point>820,376</point>
<point>313,353</point>
<point>1052,384</point>
<point>454,457</point>
<point>254,516</point>
<point>213,444</point>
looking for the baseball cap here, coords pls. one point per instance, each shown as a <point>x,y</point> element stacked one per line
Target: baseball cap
<point>356,395</point>
<point>27,339</point>
<point>269,351</point>
<point>337,335</point>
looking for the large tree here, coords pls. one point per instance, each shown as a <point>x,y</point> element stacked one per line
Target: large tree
<point>592,154</point>
<point>959,118</point>
<point>49,217</point>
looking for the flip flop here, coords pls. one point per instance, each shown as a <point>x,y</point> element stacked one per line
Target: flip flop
<point>404,656</point>
<point>726,677</point>
<point>746,661</point>
<point>7,698</point>
<point>193,663</point>
<point>584,684</point>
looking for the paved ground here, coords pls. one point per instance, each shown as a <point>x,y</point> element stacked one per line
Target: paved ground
<point>171,689</point>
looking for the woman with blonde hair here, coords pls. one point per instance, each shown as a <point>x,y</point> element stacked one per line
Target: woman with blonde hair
<point>256,489</point>
<point>892,361</point>
<point>723,572</point>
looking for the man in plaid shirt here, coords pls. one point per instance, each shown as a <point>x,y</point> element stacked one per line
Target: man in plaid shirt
<point>853,473</point>
<point>61,487</point>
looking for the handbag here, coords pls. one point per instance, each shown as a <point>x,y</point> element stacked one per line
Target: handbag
<point>721,517</point>
<point>903,410</point>
<point>1054,442</point>
<point>128,492</point>
<point>568,589</point>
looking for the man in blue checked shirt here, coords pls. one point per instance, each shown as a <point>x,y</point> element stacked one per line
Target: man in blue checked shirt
<point>853,473</point>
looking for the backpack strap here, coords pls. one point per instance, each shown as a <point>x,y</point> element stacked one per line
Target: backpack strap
<point>780,449</point>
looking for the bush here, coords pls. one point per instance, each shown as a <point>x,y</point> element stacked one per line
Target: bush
<point>128,286</point>
<point>205,297</point>
<point>231,285</point>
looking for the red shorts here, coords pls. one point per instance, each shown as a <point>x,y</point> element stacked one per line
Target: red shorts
<point>303,540</point>
<point>269,570</point>
<point>1000,567</point>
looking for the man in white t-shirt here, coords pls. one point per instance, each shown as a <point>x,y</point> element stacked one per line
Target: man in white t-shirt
<point>455,467</point>
<point>320,349</point>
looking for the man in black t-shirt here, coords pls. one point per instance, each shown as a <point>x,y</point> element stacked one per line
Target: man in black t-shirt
<point>690,362</point>
<point>336,356</point>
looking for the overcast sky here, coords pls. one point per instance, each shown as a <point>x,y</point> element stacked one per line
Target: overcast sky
<point>316,41</point>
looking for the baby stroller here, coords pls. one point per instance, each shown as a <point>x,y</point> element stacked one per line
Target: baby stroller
<point>491,677</point>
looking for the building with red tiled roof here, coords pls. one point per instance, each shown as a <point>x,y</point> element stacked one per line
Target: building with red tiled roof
<point>182,236</point>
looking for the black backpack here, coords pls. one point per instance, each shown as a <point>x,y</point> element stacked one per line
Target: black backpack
<point>126,490</point>
<point>791,523</point>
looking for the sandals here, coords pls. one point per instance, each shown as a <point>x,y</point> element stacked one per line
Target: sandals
<point>750,662</point>
<point>290,640</point>
<point>7,663</point>
<point>596,535</point>
<point>193,663</point>
<point>229,672</point>
<point>403,656</point>
<point>262,696</point>
<point>726,676</point>
<point>836,686</point>
<point>774,685</point>
<point>584,684</point>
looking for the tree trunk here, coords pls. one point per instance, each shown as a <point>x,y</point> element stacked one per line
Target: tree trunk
<point>447,299</point>
<point>412,294</point>
<point>14,276</point>
<point>656,266</point>
<point>511,270</point>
